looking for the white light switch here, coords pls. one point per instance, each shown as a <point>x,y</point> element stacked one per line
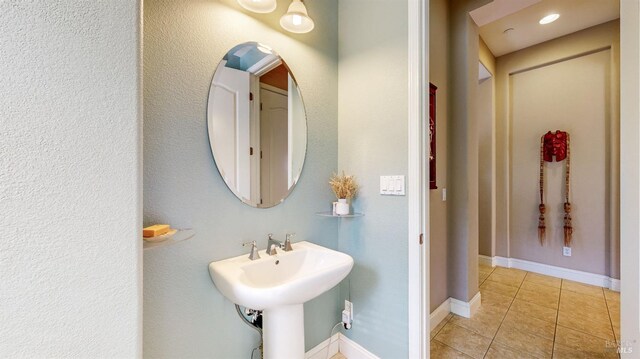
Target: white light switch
<point>392,185</point>
<point>444,194</point>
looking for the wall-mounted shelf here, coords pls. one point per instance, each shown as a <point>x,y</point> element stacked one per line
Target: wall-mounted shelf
<point>330,214</point>
<point>179,236</point>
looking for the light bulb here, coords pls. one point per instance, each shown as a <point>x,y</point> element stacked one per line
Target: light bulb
<point>297,19</point>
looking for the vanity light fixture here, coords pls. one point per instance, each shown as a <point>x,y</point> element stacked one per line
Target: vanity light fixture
<point>259,6</point>
<point>297,19</point>
<point>549,19</point>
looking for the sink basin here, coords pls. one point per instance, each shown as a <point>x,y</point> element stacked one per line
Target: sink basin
<point>287,278</point>
<point>279,285</point>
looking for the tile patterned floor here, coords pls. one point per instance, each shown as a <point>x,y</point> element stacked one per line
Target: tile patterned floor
<point>528,315</point>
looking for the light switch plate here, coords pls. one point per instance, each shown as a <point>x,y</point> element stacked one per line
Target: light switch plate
<point>444,194</point>
<point>566,251</point>
<point>392,185</point>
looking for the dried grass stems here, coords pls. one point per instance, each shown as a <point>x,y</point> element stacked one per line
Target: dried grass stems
<point>343,186</point>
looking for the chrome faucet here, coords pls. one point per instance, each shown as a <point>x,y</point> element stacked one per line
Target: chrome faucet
<point>272,244</point>
<point>254,250</point>
<point>287,242</point>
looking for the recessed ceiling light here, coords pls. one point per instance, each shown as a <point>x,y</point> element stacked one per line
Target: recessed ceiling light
<point>549,19</point>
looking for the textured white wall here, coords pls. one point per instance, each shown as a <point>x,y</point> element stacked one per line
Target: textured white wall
<point>70,168</point>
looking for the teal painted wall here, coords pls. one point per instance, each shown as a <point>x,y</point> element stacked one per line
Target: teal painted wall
<point>373,138</point>
<point>184,314</point>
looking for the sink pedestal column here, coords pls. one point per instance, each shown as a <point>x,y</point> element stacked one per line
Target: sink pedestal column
<point>283,332</point>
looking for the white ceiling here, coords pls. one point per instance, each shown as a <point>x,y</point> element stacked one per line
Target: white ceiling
<point>523,16</point>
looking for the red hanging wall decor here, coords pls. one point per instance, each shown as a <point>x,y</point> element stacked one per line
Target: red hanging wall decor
<point>555,145</point>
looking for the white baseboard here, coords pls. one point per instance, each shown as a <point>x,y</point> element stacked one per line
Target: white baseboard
<point>614,284</point>
<point>320,350</point>
<point>339,343</point>
<point>353,350</point>
<point>465,309</point>
<point>559,272</point>
<point>486,260</point>
<point>439,314</point>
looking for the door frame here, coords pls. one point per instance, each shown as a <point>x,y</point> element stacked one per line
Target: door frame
<point>629,177</point>
<point>417,180</point>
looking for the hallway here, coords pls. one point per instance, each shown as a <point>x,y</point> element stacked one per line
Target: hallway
<point>528,315</point>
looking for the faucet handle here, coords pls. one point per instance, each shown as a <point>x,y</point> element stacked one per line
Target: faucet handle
<point>287,242</point>
<point>270,235</point>
<point>254,250</point>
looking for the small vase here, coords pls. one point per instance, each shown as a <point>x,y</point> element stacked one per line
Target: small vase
<point>342,207</point>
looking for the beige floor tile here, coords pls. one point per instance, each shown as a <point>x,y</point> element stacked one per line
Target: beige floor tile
<point>582,288</point>
<point>486,268</point>
<point>499,351</point>
<point>573,299</point>
<point>442,351</point>
<point>562,352</point>
<point>524,342</point>
<point>534,310</point>
<point>537,287</point>
<point>584,322</point>
<point>463,340</point>
<point>484,322</point>
<point>543,279</point>
<point>596,315</point>
<point>339,356</point>
<point>544,299</point>
<point>440,325</point>
<point>484,271</point>
<point>575,340</point>
<point>499,288</point>
<point>612,296</point>
<point>513,281</point>
<point>511,272</point>
<point>494,299</point>
<point>525,312</point>
<point>530,325</point>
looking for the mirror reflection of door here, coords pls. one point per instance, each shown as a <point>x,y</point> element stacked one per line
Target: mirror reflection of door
<point>257,125</point>
<point>231,116</point>
<point>273,143</point>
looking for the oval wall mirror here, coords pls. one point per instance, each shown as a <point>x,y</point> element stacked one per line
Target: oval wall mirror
<point>257,125</point>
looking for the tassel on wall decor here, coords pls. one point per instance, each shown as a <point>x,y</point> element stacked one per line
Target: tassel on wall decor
<point>555,145</point>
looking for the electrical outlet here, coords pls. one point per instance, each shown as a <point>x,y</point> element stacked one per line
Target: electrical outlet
<point>566,251</point>
<point>347,314</point>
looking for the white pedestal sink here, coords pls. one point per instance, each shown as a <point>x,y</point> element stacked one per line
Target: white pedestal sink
<point>279,285</point>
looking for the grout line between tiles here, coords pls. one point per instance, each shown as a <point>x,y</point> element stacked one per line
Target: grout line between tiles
<point>555,331</point>
<point>606,301</point>
<point>503,317</point>
<point>449,346</point>
<point>449,316</point>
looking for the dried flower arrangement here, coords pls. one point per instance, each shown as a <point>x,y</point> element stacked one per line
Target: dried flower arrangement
<point>343,186</point>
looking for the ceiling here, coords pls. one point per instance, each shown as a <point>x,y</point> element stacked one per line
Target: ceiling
<point>523,15</point>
